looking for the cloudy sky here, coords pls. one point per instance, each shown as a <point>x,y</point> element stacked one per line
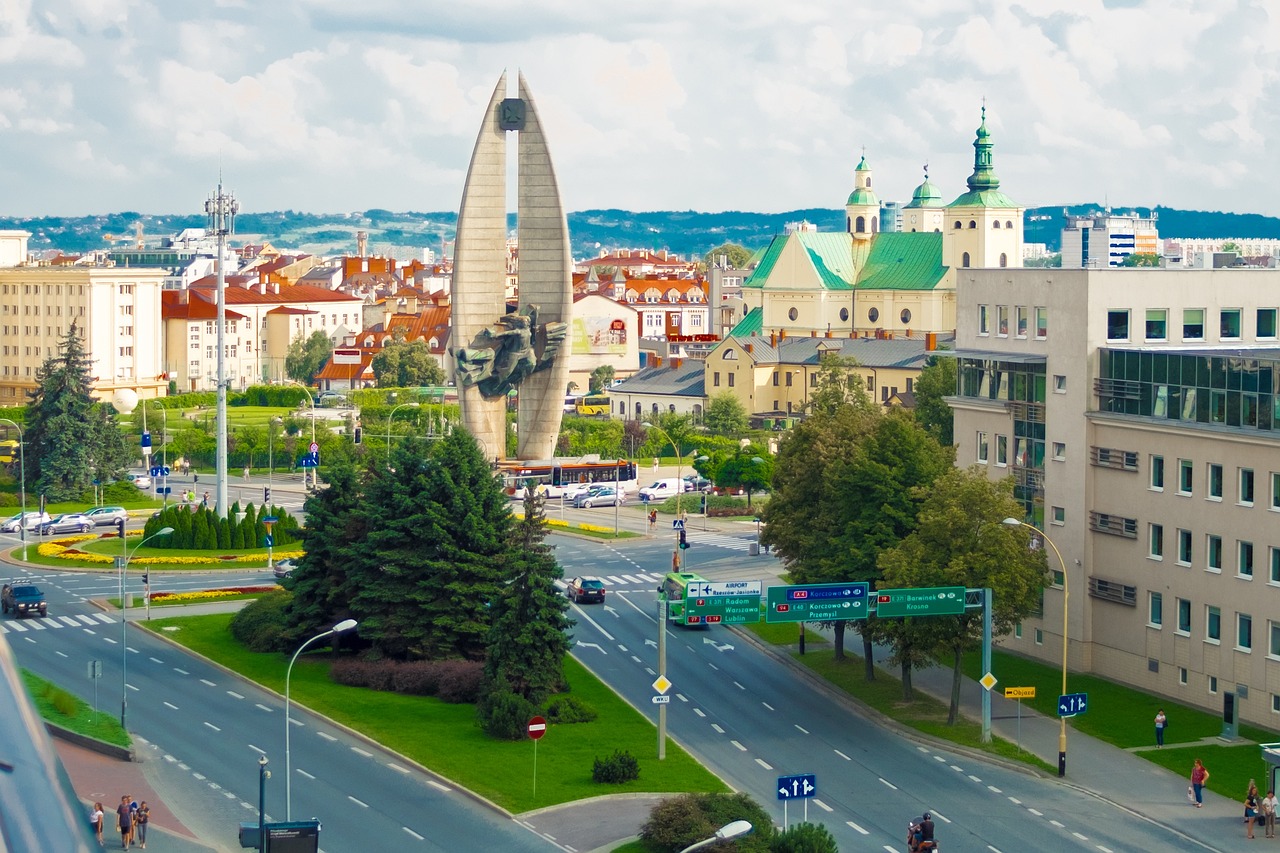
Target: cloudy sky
<point>709,105</point>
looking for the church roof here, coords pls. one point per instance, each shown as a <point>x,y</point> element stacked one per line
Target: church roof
<point>903,261</point>
<point>926,195</point>
<point>833,255</point>
<point>861,196</point>
<point>984,198</point>
<point>752,324</point>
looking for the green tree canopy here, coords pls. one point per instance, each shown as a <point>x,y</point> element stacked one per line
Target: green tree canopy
<point>736,254</point>
<point>307,356</point>
<point>937,380</point>
<point>1141,259</point>
<point>601,377</point>
<point>401,364</point>
<point>725,414</point>
<point>960,540</point>
<point>750,468</point>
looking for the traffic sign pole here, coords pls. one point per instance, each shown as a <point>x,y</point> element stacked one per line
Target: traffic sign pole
<point>662,671</point>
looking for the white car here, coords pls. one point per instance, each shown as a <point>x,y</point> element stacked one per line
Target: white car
<point>30,521</point>
<point>142,481</point>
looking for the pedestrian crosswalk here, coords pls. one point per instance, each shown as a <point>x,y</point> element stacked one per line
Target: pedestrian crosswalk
<point>43,623</point>
<point>633,579</point>
<point>720,540</point>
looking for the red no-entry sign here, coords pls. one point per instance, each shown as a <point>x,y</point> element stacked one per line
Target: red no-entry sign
<point>537,727</point>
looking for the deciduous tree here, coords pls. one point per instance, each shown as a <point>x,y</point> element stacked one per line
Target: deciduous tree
<point>601,377</point>
<point>307,356</point>
<point>725,414</point>
<point>937,380</point>
<point>401,364</point>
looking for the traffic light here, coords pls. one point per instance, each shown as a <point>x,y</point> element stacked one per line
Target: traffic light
<point>357,435</point>
<point>146,577</point>
<point>266,495</point>
<point>684,543</point>
<point>704,503</point>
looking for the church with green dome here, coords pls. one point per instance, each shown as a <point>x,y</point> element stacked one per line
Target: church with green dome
<point>865,281</point>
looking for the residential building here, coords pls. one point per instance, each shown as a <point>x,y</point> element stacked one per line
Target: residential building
<point>661,388</point>
<point>1138,412</point>
<point>1105,239</point>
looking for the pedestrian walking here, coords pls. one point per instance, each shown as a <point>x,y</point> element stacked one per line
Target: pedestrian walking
<point>1251,806</point>
<point>195,477</point>
<point>653,520</point>
<point>98,816</point>
<point>1161,721</point>
<point>124,822</point>
<point>142,818</point>
<point>246,473</point>
<point>1199,778</point>
<point>1269,804</point>
<point>655,464</point>
<point>204,502</point>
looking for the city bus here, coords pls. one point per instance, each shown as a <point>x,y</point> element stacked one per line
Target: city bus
<point>552,477</point>
<point>593,405</point>
<point>674,591</point>
<point>8,451</point>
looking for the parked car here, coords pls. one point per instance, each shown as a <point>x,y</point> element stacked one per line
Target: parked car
<point>662,489</point>
<point>283,569</point>
<point>30,521</point>
<point>142,481</point>
<point>599,496</point>
<point>586,588</point>
<point>694,483</point>
<point>70,522</point>
<point>104,515</point>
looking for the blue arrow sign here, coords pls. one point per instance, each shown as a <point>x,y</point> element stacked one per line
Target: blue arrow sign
<point>797,787</point>
<point>155,470</point>
<point>268,540</point>
<point>164,471</point>
<point>146,439</point>
<point>1070,704</point>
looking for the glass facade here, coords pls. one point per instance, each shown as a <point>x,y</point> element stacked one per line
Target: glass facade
<point>1023,387</point>
<point>1240,389</point>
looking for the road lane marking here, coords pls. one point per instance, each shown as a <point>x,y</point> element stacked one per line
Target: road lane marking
<point>69,622</point>
<point>595,624</point>
<point>60,654</point>
<point>104,618</point>
<point>181,671</point>
<point>802,729</point>
<point>234,695</point>
<point>18,626</point>
<point>328,737</point>
<point>50,621</point>
<point>940,758</point>
<point>85,619</point>
<point>156,660</point>
<point>412,833</point>
<point>197,776</point>
<point>1081,837</point>
<point>358,751</point>
<point>630,579</point>
<point>767,705</point>
<point>993,849</point>
<point>975,778</point>
<point>433,783</point>
<point>766,765</point>
<point>740,747</point>
<point>131,687</point>
<point>87,631</point>
<point>305,773</point>
<point>650,670</point>
<point>956,768</point>
<point>1057,823</point>
<point>171,706</point>
<point>1035,812</point>
<point>938,814</point>
<point>887,782</point>
<point>717,728</point>
<point>739,686</point>
<point>212,726</point>
<point>264,707</point>
<point>1015,801</point>
<point>699,712</point>
<point>855,827</point>
<point>208,682</point>
<point>30,640</point>
<point>1104,849</point>
<point>713,666</point>
<point>398,768</point>
<point>257,750</point>
<point>682,697</point>
<point>820,804</point>
<point>360,803</point>
<point>842,755</point>
<point>993,789</point>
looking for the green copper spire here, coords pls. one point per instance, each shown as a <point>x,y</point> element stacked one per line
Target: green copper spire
<point>984,176</point>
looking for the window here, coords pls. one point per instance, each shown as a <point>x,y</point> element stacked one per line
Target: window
<point>1059,451</point>
<point>1038,636</point>
<point>1042,323</point>
<point>1002,320</point>
<point>1215,482</point>
<point>1244,632</point>
<point>1155,613</point>
<point>1275,564</point>
<point>1212,624</point>
<point>1020,320</point>
<point>982,447</point>
<point>1266,323</point>
<point>984,320</point>
<point>1244,559</point>
<point>1155,539</point>
<point>1059,383</point>
<point>1157,473</point>
<point>1002,450</point>
<point>1059,515</point>
<point>775,381</point>
<point>1213,684</point>
<point>1182,676</point>
<point>790,375</point>
<point>1184,547</point>
<point>1004,258</point>
<point>1184,616</point>
<point>1157,324</point>
<point>731,378</point>
<point>1229,323</point>
<point>1193,324</point>
<point>1117,325</point>
<point>793,314</point>
<point>1213,553</point>
<point>1246,486</point>
<point>715,379</point>
<point>873,314</point>
<point>1275,490</point>
<point>1185,473</point>
<point>1273,642</point>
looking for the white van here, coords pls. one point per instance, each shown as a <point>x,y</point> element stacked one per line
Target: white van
<point>662,489</point>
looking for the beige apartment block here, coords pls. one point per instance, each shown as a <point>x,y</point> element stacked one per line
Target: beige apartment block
<point>1139,414</point>
<point>115,309</point>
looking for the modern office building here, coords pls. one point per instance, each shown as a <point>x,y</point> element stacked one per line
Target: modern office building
<point>1138,411</point>
<point>1104,240</point>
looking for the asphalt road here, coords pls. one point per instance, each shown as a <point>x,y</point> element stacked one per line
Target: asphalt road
<point>751,720</point>
<point>209,728</point>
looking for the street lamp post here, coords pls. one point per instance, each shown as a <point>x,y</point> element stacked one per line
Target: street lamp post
<point>271,457</point>
<point>263,775</point>
<point>390,418</point>
<point>1062,731</point>
<point>679,464</point>
<point>122,563</point>
<point>22,479</point>
<point>732,830</point>
<point>164,447</point>
<point>342,627</point>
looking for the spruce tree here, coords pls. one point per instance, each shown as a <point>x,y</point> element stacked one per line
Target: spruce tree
<point>334,533</point>
<point>69,437</point>
<point>438,528</point>
<point>529,637</point>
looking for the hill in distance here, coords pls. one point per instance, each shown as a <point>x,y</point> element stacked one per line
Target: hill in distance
<point>689,234</point>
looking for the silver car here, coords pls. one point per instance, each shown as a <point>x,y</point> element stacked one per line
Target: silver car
<point>30,521</point>
<point>104,515</point>
<point>599,496</point>
<point>70,522</point>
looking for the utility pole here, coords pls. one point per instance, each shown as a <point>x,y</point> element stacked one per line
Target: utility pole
<point>222,209</point>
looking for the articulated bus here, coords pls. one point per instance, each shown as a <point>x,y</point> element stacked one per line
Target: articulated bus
<point>674,591</point>
<point>552,477</point>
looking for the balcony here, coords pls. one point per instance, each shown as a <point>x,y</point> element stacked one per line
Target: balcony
<point>1113,591</point>
<point>1114,525</point>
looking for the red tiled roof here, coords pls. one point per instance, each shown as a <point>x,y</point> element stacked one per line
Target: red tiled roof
<point>197,310</point>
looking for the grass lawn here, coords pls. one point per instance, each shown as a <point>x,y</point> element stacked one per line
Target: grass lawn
<point>1122,716</point>
<point>61,708</point>
<point>782,634</point>
<point>446,738</point>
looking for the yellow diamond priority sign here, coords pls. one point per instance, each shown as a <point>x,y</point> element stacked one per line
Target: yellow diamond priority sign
<point>662,684</point>
<point>988,681</point>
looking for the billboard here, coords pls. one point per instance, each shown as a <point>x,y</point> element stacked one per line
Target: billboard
<point>346,356</point>
<point>599,335</point>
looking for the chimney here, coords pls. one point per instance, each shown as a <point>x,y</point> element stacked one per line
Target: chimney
<point>813,333</point>
<point>930,341</point>
<point>676,362</point>
<point>782,335</point>
<point>828,334</point>
<point>748,347</point>
<point>657,361</point>
<point>773,339</point>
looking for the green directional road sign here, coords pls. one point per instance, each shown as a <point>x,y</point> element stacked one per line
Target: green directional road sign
<point>722,609</point>
<point>817,602</point>
<point>926,601</point>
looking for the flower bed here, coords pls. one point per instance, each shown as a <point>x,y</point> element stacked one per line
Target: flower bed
<point>209,594</point>
<point>61,549</point>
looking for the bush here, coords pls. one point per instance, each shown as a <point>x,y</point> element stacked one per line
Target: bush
<point>417,678</point>
<point>460,681</point>
<point>454,681</point>
<point>505,715</point>
<point>620,767</point>
<point>10,499</point>
<point>261,625</point>
<point>370,674</point>
<point>676,822</point>
<point>569,709</point>
<point>804,838</point>
<point>119,492</point>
